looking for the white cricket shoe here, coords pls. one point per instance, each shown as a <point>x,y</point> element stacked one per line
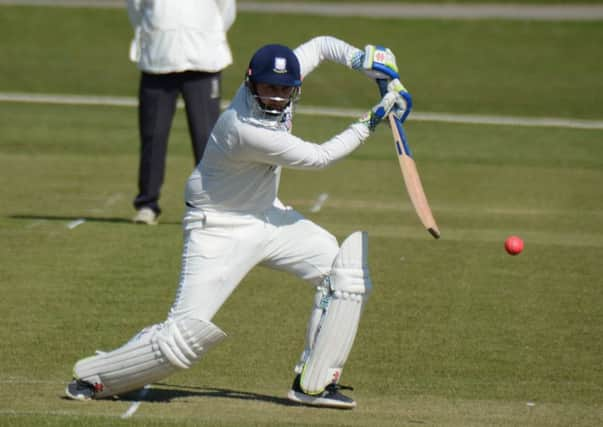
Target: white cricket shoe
<point>329,398</point>
<point>79,390</point>
<point>145,216</point>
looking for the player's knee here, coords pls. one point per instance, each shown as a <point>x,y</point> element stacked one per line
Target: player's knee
<point>350,273</point>
<point>327,244</point>
<point>325,248</point>
<point>183,341</point>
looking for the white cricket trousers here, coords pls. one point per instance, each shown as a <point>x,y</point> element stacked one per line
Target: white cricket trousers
<point>220,249</point>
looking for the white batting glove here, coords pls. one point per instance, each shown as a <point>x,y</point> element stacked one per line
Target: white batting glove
<point>389,102</point>
<point>403,109</point>
<point>377,62</point>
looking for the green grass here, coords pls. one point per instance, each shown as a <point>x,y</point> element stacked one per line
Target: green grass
<point>457,333</point>
<point>486,67</point>
<point>452,2</point>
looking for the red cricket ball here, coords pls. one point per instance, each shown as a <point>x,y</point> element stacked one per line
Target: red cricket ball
<point>514,245</point>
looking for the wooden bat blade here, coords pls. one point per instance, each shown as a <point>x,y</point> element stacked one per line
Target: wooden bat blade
<point>412,179</point>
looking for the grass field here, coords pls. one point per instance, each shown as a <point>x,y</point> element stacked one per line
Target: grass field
<point>461,2</point>
<point>457,332</point>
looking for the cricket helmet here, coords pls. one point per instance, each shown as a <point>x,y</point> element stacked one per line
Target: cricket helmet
<point>274,64</point>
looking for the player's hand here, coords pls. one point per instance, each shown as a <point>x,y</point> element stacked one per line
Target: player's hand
<point>390,101</point>
<point>377,62</point>
<point>403,109</point>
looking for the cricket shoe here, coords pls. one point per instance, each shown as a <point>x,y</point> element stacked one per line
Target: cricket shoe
<point>329,398</point>
<point>145,216</point>
<point>80,390</point>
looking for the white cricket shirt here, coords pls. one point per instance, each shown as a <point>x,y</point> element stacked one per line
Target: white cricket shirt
<point>241,166</point>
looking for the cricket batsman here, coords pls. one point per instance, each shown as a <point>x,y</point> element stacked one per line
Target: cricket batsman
<point>234,221</point>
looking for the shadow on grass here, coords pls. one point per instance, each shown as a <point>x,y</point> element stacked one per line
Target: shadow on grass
<point>162,393</point>
<point>81,218</point>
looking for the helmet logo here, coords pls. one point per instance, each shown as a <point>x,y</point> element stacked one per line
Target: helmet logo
<point>280,65</point>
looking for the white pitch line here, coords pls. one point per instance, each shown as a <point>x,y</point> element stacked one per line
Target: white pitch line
<point>114,198</point>
<point>322,198</point>
<point>464,118</point>
<point>134,406</point>
<point>405,206</point>
<point>509,120</point>
<point>71,225</point>
<point>558,122</point>
<point>42,98</point>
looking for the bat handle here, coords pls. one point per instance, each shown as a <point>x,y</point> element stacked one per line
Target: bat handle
<point>382,83</point>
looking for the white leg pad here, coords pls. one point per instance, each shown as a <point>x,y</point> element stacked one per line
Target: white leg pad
<point>350,286</point>
<point>153,354</point>
<point>321,301</point>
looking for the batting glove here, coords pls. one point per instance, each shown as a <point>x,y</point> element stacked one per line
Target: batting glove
<point>389,102</point>
<point>377,62</point>
<point>403,109</point>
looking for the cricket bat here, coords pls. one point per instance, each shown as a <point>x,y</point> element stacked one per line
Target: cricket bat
<point>410,172</point>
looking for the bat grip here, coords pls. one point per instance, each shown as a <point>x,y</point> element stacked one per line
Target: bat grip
<point>382,83</point>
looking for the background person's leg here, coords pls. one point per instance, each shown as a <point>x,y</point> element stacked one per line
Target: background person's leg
<point>158,94</point>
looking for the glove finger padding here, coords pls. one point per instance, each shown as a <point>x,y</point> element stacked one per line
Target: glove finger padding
<point>377,62</point>
<point>390,101</point>
<point>404,106</point>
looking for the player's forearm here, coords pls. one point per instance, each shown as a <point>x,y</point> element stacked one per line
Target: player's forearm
<point>347,141</point>
<point>331,151</point>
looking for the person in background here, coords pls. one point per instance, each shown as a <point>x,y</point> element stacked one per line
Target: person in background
<point>180,48</point>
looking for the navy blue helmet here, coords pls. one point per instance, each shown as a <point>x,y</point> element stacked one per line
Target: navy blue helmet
<point>274,64</point>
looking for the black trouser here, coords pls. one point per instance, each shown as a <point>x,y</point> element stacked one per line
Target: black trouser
<point>157,97</point>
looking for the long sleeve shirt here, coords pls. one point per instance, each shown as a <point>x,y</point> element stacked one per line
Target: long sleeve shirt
<point>185,35</point>
<point>241,167</point>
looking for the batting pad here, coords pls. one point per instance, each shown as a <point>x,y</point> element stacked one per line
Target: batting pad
<point>350,286</point>
<point>321,301</point>
<point>153,354</point>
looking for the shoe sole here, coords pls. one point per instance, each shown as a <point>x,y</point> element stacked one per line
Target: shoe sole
<point>80,397</point>
<point>137,220</point>
<point>305,399</point>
